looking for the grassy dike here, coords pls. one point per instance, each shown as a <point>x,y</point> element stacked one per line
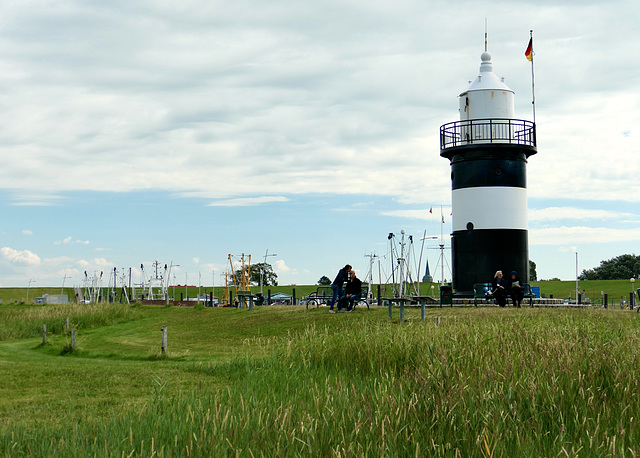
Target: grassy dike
<point>592,289</point>
<point>286,381</point>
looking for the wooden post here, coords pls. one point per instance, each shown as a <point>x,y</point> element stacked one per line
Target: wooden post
<point>164,340</point>
<point>66,324</point>
<point>73,339</point>
<point>44,333</point>
<point>436,321</point>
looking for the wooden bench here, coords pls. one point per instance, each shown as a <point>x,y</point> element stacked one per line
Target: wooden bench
<point>482,291</point>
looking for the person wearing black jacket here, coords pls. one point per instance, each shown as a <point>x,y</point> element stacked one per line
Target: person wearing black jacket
<point>499,288</point>
<point>353,291</point>
<point>514,289</point>
<point>336,286</point>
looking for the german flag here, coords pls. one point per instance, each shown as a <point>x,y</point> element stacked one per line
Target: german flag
<point>529,52</point>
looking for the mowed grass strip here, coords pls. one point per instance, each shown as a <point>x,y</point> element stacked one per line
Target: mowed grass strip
<point>295,382</point>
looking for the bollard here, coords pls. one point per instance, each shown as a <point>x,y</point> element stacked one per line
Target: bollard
<point>73,339</point>
<point>66,324</point>
<point>436,321</point>
<point>401,311</point>
<point>631,298</point>
<point>579,298</point>
<point>44,334</point>
<point>379,297</point>
<point>423,303</point>
<point>163,348</point>
<point>606,301</point>
<point>293,298</point>
<point>268,297</point>
<point>251,303</point>
<point>390,302</point>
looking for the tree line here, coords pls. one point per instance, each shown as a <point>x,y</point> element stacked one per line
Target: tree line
<point>621,267</point>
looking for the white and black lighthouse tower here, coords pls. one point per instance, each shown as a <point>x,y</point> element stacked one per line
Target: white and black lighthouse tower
<point>488,149</point>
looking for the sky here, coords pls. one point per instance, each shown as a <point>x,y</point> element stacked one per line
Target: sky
<point>182,132</point>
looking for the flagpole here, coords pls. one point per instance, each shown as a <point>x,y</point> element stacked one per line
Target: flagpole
<point>533,84</point>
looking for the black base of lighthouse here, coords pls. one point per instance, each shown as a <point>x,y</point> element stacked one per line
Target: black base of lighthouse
<point>503,249</point>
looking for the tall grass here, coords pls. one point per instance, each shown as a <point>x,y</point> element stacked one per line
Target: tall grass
<point>536,383</point>
<point>18,322</point>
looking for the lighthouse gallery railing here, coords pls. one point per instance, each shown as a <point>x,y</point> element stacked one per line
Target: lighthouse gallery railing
<point>494,130</point>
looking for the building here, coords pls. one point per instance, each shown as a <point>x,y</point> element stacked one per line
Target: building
<point>488,149</point>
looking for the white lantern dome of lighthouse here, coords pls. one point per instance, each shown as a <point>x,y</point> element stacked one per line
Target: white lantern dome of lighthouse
<point>488,96</point>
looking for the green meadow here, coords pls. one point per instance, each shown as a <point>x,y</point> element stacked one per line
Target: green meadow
<point>286,381</point>
<point>593,289</point>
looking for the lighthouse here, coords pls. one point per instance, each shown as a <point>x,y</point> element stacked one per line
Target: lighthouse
<point>488,149</point>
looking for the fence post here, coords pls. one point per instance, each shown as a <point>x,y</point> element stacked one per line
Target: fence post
<point>163,348</point>
<point>73,339</point>
<point>44,333</point>
<point>66,324</point>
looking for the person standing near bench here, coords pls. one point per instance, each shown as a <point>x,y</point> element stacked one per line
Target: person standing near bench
<point>336,286</point>
<point>514,289</point>
<point>499,291</point>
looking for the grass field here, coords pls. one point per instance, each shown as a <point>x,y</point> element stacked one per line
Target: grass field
<point>287,381</point>
<point>593,289</point>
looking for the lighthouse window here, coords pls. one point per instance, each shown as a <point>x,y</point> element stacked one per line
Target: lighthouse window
<point>498,171</point>
<point>469,226</point>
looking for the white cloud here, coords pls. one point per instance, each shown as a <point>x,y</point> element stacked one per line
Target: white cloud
<point>96,262</point>
<point>196,260</point>
<point>558,213</point>
<point>414,214</point>
<point>83,242</point>
<point>63,242</point>
<point>581,235</point>
<point>25,257</point>
<point>247,201</point>
<point>280,267</point>
<point>27,232</point>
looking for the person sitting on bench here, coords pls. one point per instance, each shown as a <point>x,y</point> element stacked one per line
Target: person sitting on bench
<point>499,289</point>
<point>515,289</point>
<point>353,292</point>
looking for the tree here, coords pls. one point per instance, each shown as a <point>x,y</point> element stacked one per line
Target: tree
<point>533,275</point>
<point>270,278</point>
<point>619,268</point>
<point>324,280</point>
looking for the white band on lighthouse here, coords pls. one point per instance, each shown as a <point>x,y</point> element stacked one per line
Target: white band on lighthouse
<point>490,207</point>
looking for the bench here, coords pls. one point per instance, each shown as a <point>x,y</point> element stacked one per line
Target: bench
<point>321,296</point>
<point>482,291</point>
